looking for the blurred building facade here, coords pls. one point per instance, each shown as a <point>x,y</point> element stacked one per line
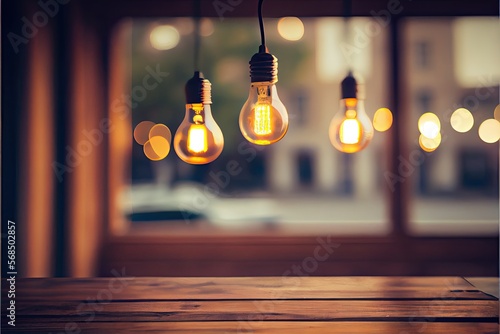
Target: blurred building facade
<point>463,164</point>
<point>305,159</point>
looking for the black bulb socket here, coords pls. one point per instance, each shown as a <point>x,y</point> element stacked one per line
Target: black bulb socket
<point>263,66</point>
<point>349,87</point>
<point>198,90</point>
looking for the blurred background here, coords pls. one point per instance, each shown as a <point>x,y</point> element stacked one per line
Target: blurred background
<point>79,79</point>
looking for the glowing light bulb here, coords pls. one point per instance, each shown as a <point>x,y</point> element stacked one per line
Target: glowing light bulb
<point>350,129</point>
<point>263,118</point>
<point>198,139</point>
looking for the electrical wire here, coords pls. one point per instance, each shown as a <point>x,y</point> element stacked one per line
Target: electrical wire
<point>261,24</point>
<point>347,8</point>
<point>347,13</point>
<point>197,36</point>
<point>346,34</point>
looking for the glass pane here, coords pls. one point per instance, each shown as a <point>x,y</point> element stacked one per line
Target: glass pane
<point>455,181</point>
<point>298,184</point>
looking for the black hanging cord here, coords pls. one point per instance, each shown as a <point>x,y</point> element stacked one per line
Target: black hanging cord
<point>197,34</point>
<point>347,8</point>
<point>346,13</point>
<point>261,24</point>
<point>263,65</point>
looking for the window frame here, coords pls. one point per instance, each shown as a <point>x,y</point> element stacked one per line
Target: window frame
<point>398,194</point>
<point>292,249</point>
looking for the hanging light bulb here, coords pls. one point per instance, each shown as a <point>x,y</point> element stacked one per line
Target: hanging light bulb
<point>350,129</point>
<point>198,139</point>
<point>263,118</point>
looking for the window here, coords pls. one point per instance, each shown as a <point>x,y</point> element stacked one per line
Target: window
<point>271,214</point>
<point>303,179</point>
<point>455,187</point>
<point>305,169</point>
<point>298,110</point>
<point>424,101</point>
<point>423,55</point>
<point>300,180</point>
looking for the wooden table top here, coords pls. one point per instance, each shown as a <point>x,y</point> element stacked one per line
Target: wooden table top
<point>262,305</point>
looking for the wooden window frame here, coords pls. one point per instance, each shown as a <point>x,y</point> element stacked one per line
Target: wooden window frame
<point>117,241</point>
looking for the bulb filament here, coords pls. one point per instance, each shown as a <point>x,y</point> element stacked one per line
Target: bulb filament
<point>350,131</point>
<point>262,119</point>
<point>197,138</point>
<point>262,113</point>
<point>197,135</point>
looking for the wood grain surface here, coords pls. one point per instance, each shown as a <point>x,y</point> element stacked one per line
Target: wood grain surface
<point>252,305</point>
<point>258,327</point>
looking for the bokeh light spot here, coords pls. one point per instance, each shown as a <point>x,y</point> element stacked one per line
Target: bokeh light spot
<point>489,131</point>
<point>161,130</point>
<point>429,144</point>
<point>291,28</point>
<point>382,119</point>
<point>429,125</point>
<point>164,37</point>
<point>206,27</point>
<point>157,148</point>
<point>141,132</point>
<point>497,113</point>
<point>462,120</point>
